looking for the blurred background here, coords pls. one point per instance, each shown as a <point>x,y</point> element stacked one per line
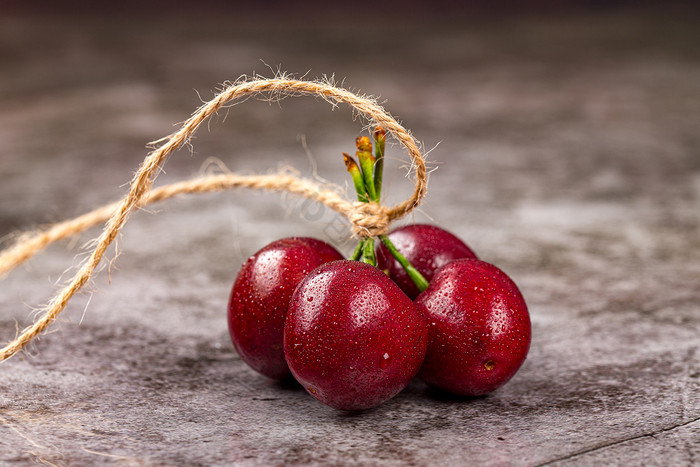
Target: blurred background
<point>566,146</point>
<point>88,87</point>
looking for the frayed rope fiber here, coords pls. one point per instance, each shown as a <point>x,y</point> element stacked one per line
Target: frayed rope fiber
<point>367,219</point>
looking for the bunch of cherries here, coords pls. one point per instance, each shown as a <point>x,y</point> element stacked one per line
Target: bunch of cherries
<point>355,332</point>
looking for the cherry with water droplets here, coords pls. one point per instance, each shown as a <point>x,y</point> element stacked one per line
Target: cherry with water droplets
<point>426,247</point>
<point>352,338</point>
<point>260,297</point>
<point>479,328</point>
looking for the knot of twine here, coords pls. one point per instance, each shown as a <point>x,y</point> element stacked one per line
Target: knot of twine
<point>367,219</point>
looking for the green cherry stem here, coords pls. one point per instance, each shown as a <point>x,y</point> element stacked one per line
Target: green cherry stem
<point>364,155</point>
<point>359,249</point>
<point>367,178</point>
<point>368,252</point>
<point>379,143</point>
<point>357,179</point>
<point>412,272</point>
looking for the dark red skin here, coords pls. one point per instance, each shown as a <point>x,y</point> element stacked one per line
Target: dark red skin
<point>260,297</point>
<point>352,338</point>
<point>479,328</point>
<point>427,247</point>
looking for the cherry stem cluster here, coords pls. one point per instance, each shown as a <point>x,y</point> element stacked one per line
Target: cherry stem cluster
<point>367,178</point>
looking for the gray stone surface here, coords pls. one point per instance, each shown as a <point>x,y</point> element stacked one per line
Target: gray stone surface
<point>567,152</point>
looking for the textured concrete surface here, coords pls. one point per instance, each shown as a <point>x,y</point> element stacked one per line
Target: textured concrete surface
<point>567,153</point>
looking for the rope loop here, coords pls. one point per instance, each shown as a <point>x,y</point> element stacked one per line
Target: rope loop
<point>367,219</point>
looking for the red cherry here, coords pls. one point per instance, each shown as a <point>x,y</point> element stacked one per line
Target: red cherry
<point>352,338</point>
<point>260,298</point>
<point>426,247</point>
<point>479,328</point>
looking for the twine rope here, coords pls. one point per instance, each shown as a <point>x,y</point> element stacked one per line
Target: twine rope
<point>30,244</point>
<point>367,219</point>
